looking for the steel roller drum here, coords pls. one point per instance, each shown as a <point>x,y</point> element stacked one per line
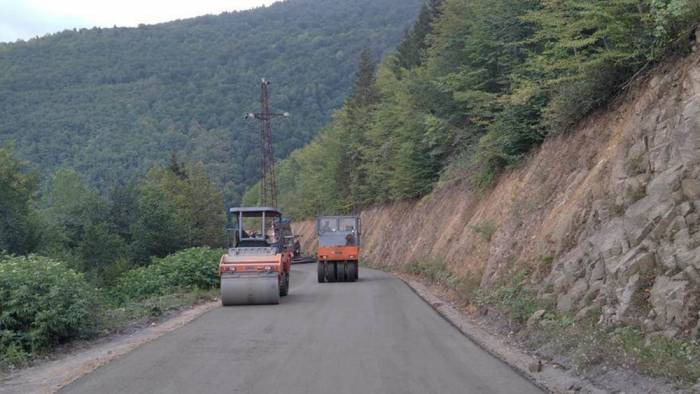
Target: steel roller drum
<point>247,289</point>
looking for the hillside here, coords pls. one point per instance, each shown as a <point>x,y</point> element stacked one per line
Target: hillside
<point>111,103</point>
<point>471,90</point>
<point>606,243</point>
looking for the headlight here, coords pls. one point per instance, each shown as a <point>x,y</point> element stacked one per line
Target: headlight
<point>268,268</point>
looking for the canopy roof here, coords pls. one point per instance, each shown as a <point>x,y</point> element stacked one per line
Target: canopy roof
<point>256,211</point>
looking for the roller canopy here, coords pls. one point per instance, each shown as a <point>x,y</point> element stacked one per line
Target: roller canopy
<point>256,212</point>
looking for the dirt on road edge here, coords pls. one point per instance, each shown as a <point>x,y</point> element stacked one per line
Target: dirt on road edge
<point>550,378</point>
<point>51,376</point>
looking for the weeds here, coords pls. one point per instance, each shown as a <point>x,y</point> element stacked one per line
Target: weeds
<point>437,272</point>
<point>485,229</point>
<point>512,297</point>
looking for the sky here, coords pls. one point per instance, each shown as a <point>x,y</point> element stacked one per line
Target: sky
<point>25,19</point>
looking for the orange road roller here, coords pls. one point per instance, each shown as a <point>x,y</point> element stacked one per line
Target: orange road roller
<point>256,268</point>
<point>338,252</point>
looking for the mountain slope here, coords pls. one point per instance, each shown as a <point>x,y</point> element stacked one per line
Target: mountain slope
<point>112,102</point>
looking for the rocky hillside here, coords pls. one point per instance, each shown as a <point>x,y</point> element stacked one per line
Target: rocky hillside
<point>611,227</point>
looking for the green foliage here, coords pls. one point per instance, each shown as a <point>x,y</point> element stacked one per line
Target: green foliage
<point>114,102</point>
<point>512,297</point>
<point>485,229</point>
<point>166,212</point>
<point>411,51</point>
<point>590,344</point>
<point>474,85</point>
<point>437,272</point>
<point>18,225</point>
<point>42,303</point>
<point>190,269</point>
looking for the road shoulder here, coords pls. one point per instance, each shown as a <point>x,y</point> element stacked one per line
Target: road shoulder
<point>550,378</point>
<point>51,376</point>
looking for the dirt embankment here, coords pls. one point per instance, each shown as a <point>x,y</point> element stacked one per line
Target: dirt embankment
<point>606,217</point>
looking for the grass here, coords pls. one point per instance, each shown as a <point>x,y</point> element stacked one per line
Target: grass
<point>118,318</point>
<point>511,297</point>
<point>588,344</point>
<point>485,229</point>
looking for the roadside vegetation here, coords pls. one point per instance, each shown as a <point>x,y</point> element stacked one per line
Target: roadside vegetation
<point>75,263</point>
<point>473,87</point>
<point>45,303</point>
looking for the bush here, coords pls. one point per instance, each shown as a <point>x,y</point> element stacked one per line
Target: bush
<point>42,303</point>
<point>191,269</point>
<point>512,297</point>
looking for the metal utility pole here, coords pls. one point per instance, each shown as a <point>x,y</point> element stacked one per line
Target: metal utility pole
<point>268,185</point>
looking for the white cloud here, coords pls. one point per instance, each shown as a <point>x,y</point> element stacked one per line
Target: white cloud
<point>23,19</point>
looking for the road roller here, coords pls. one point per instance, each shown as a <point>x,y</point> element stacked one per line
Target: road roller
<point>338,251</point>
<point>256,268</point>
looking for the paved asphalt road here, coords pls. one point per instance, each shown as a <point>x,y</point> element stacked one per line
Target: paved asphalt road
<point>372,336</point>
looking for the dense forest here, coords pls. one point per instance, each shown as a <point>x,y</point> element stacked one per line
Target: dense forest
<point>472,88</point>
<point>172,208</point>
<point>112,103</point>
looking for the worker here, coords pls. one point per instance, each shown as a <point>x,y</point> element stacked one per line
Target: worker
<point>326,227</point>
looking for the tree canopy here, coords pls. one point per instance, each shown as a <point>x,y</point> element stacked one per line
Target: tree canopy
<point>474,85</point>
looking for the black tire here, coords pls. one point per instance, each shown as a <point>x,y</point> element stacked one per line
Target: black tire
<point>352,271</point>
<point>284,287</point>
<point>330,271</point>
<point>342,266</point>
<point>321,272</point>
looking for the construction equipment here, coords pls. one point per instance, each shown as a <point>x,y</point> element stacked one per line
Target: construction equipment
<point>338,248</point>
<point>256,268</point>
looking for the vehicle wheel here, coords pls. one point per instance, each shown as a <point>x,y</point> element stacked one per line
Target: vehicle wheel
<point>341,271</point>
<point>321,272</point>
<point>284,289</point>
<point>330,271</point>
<point>352,272</point>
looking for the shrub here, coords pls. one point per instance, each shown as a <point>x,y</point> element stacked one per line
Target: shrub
<point>42,303</point>
<point>190,269</point>
<point>485,229</point>
<point>512,297</point>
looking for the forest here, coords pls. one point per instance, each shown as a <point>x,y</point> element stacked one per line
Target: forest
<point>470,90</point>
<point>111,103</point>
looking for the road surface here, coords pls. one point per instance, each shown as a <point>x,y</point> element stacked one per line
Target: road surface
<point>372,336</point>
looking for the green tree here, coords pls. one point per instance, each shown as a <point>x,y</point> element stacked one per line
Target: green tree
<point>351,125</point>
<point>412,50</point>
<point>18,224</point>
<point>79,229</point>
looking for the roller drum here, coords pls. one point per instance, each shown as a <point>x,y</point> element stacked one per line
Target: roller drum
<point>245,289</point>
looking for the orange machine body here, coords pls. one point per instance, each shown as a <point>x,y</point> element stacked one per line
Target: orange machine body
<point>338,253</point>
<point>280,263</point>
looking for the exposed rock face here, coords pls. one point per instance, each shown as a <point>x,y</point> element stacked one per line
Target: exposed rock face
<point>650,251</point>
<point>606,217</point>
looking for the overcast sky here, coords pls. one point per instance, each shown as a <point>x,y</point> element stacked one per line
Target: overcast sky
<point>24,19</point>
